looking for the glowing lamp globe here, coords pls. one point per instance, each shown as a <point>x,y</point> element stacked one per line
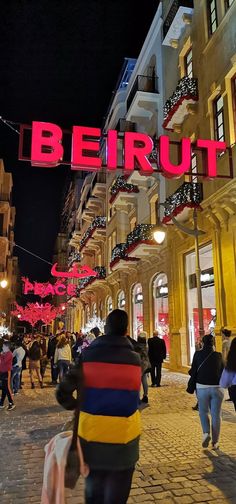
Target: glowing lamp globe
<point>159,234</point>
<point>4,284</point>
<point>19,316</point>
<point>63,307</point>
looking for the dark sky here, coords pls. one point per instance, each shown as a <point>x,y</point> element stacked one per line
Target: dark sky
<point>59,62</point>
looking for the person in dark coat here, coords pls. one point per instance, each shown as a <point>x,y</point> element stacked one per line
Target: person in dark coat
<point>109,422</point>
<point>156,353</point>
<point>52,344</point>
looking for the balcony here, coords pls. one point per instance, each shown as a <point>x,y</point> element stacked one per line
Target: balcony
<point>188,195</point>
<point>140,241</point>
<point>178,17</point>
<point>96,230</point>
<point>119,258</point>
<point>121,190</point>
<point>123,126</point>
<point>98,186</point>
<point>101,275</point>
<point>143,97</point>
<point>178,106</point>
<point>74,257</point>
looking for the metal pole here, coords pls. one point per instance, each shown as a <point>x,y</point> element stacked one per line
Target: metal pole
<point>198,277</point>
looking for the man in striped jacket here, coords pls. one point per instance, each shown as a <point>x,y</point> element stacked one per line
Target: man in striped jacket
<point>109,425</point>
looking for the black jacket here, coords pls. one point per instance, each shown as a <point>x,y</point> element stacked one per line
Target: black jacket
<point>156,350</point>
<point>210,372</point>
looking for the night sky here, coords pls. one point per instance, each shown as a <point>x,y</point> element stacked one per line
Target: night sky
<point>60,60</point>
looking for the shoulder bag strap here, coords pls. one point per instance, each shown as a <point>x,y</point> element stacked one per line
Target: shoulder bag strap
<point>204,361</point>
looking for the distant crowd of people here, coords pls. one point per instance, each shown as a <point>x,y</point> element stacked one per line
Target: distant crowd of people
<point>35,353</point>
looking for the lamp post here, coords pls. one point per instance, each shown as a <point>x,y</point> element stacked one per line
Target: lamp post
<point>159,233</point>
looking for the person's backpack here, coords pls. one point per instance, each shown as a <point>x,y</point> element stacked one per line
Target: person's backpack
<point>35,352</point>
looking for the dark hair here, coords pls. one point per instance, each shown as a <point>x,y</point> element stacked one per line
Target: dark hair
<point>231,359</point>
<point>95,331</point>
<point>117,323</point>
<point>226,333</point>
<point>208,340</point>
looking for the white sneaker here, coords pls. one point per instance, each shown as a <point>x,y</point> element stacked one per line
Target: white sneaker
<point>206,440</point>
<point>1,406</point>
<point>215,446</point>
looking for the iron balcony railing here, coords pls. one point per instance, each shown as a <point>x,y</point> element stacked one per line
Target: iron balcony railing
<point>187,88</point>
<point>172,13</point>
<point>99,223</point>
<point>143,83</point>
<point>142,232</point>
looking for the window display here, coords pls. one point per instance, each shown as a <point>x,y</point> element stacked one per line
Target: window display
<point>161,308</point>
<point>208,295</point>
<point>137,310</point>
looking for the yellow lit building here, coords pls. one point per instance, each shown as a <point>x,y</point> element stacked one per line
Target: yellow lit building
<point>184,85</point>
<point>8,263</point>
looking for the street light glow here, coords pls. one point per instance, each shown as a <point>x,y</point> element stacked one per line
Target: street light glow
<point>4,284</point>
<point>159,234</point>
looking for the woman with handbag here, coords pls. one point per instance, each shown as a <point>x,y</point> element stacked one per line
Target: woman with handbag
<point>206,371</point>
<point>228,378</point>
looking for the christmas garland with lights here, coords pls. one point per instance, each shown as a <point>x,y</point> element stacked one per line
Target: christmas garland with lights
<point>73,257</point>
<point>121,185</point>
<point>188,195</point>
<point>187,89</point>
<point>101,275</point>
<point>97,223</point>
<point>120,252</point>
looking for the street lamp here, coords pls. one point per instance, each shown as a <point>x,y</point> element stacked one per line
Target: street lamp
<point>4,284</point>
<point>159,238</point>
<point>159,234</point>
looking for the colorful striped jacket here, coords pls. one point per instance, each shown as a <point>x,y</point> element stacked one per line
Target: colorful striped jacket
<point>109,425</point>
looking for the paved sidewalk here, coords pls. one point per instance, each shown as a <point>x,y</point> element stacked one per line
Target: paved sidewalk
<point>173,468</point>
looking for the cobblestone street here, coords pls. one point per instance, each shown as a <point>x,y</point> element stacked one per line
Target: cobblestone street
<point>173,468</point>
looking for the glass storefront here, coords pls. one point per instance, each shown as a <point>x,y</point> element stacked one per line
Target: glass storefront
<point>109,305</point>
<point>208,295</point>
<point>121,302</point>
<point>161,308</point>
<point>137,302</point>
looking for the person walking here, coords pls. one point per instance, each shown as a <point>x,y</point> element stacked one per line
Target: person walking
<point>34,354</point>
<point>18,355</point>
<point>226,335</point>
<point>228,378</point>
<point>142,350</point>
<point>52,344</point>
<point>109,423</point>
<point>207,367</point>
<point>6,359</point>
<point>62,356</point>
<point>157,354</point>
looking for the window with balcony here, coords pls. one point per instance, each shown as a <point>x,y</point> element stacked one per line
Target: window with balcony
<point>212,16</point>
<point>188,64</point>
<point>218,105</point>
<point>228,4</point>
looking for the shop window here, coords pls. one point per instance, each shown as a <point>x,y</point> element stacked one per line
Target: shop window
<point>228,4</point>
<point>212,16</point>
<point>234,101</point>
<point>188,64</point>
<point>161,309</point>
<point>137,301</point>
<point>208,295</point>
<point>121,301</point>
<point>109,305</point>
<point>218,105</point>
<point>94,310</point>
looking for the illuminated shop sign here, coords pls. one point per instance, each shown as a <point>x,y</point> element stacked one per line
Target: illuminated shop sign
<point>138,298</point>
<point>207,279</point>
<point>49,143</point>
<point>161,291</point>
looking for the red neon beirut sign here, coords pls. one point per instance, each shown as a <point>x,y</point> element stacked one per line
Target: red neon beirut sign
<point>47,150</point>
